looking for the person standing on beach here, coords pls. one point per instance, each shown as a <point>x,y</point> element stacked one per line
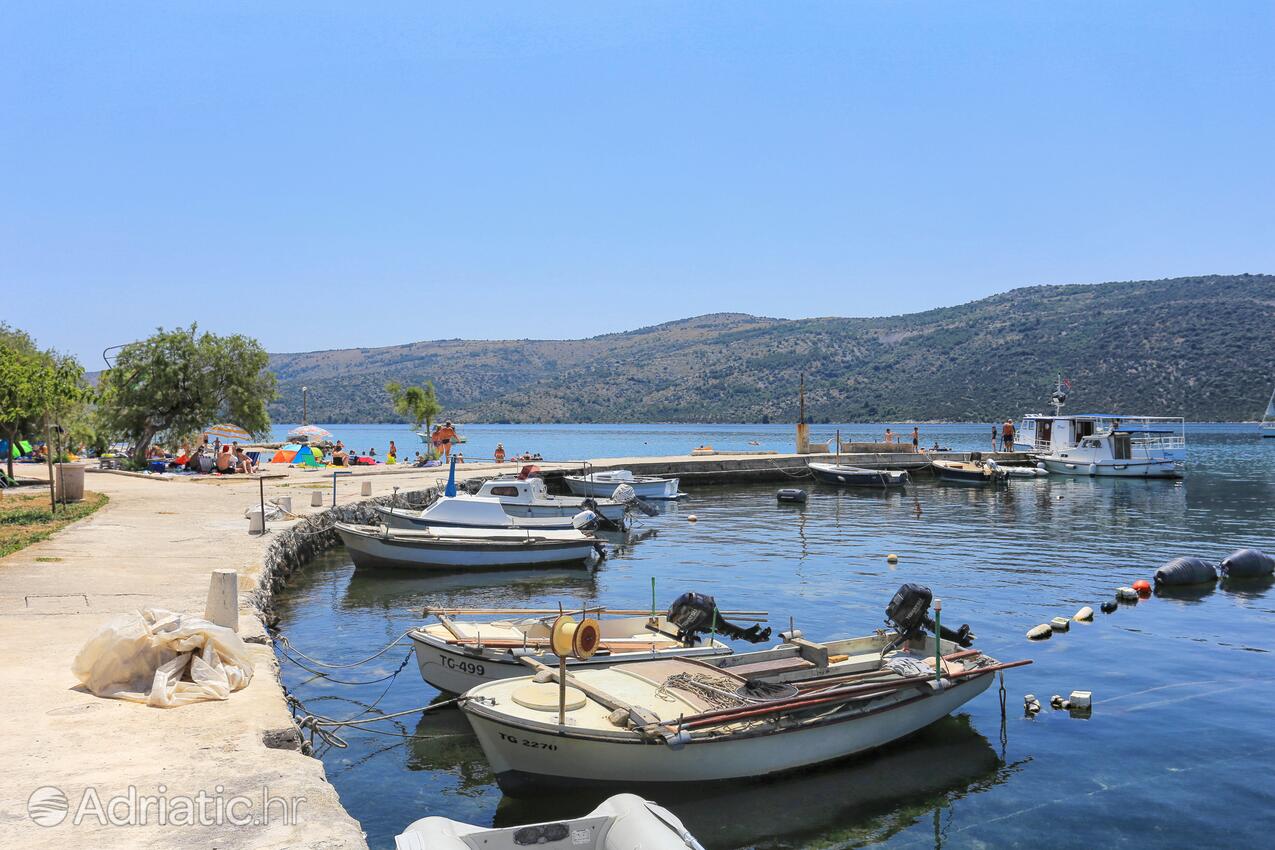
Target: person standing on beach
<point>500,453</point>
<point>393,456</point>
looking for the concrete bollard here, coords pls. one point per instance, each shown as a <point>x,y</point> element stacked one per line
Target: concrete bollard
<point>223,599</point>
<point>316,499</point>
<point>256,520</point>
<point>284,502</point>
<point>367,488</point>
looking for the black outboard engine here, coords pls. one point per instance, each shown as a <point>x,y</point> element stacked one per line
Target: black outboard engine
<point>696,612</point>
<point>909,614</point>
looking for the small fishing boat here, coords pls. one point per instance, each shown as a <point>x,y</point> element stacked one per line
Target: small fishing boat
<point>382,546</point>
<point>968,472</point>
<point>741,716</point>
<point>527,496</point>
<point>455,655</point>
<point>604,484</point>
<point>841,475</point>
<point>621,822</point>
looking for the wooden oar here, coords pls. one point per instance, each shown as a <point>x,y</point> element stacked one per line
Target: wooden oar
<point>623,612</point>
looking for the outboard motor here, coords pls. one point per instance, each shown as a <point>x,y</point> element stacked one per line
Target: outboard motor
<point>696,612</point>
<point>585,521</point>
<point>909,614</point>
<point>625,495</point>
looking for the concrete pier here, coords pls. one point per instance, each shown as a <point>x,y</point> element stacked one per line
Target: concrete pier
<point>156,544</point>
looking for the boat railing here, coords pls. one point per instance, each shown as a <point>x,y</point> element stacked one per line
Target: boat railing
<point>1164,442</point>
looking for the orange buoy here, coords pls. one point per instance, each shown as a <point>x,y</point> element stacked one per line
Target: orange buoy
<point>1142,586</point>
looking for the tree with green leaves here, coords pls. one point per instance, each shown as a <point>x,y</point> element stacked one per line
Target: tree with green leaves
<point>37,390</point>
<point>181,381</point>
<point>419,404</point>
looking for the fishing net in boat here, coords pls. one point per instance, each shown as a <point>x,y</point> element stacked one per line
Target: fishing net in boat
<point>717,691</point>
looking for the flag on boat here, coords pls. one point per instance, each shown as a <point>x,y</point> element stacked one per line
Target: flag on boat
<point>226,431</point>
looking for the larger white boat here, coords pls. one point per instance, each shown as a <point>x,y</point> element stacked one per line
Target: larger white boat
<point>527,496</point>
<point>1104,444</point>
<point>1268,420</point>
<point>605,484</point>
<point>464,511</point>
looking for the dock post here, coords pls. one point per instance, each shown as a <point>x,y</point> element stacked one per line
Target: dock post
<point>222,608</point>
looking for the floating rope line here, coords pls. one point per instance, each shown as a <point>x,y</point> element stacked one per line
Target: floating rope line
<point>283,641</point>
<point>328,676</point>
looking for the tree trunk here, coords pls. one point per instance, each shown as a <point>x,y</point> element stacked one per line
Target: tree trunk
<point>429,443</point>
<point>143,444</point>
<point>48,453</point>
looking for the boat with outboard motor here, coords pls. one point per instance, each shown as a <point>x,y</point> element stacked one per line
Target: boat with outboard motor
<point>604,484</point>
<point>742,716</point>
<point>455,655</point>
<point>969,471</point>
<point>382,546</point>
<point>841,475</point>
<point>465,511</point>
<point>526,496</point>
<point>621,822</point>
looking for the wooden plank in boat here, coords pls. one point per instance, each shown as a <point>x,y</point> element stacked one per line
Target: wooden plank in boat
<point>771,668</point>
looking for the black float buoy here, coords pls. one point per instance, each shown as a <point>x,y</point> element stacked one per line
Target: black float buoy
<point>791,494</point>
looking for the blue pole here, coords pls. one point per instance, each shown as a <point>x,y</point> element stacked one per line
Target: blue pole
<point>451,480</point>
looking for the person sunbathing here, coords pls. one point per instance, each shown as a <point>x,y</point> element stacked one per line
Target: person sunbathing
<point>225,461</point>
<point>244,463</point>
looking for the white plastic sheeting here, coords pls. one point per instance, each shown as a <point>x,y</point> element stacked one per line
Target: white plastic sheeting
<point>163,659</point>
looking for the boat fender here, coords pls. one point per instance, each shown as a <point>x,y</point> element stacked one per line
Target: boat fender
<point>1083,615</point>
<point>1040,632</point>
<point>1056,701</point>
<point>1247,563</point>
<point>677,740</point>
<point>1060,624</point>
<point>1108,607</point>
<point>1127,593</point>
<point>1041,466</point>
<point>1093,469</point>
<point>1031,705</point>
<point>1143,587</point>
<point>1184,571</point>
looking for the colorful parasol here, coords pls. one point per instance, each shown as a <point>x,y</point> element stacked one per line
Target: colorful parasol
<point>227,431</point>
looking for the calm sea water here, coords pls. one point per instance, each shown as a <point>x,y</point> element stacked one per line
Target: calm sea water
<point>1179,750</point>
<point>583,442</point>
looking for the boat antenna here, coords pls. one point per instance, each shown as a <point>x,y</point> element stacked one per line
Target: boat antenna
<point>1059,397</point>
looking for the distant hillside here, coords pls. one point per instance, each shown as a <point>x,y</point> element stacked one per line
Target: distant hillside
<point>1201,347</point>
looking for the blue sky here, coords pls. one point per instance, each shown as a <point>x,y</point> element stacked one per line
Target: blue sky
<point>325,175</point>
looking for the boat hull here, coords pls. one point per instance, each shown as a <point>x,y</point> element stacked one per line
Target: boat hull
<point>850,476</point>
<point>456,669</point>
<point>964,476</point>
<point>368,551</point>
<point>526,760</point>
<point>662,489</point>
<point>1115,469</point>
<point>398,518</point>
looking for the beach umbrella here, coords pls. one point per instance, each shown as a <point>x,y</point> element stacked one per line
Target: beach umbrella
<point>227,431</point>
<point>311,433</point>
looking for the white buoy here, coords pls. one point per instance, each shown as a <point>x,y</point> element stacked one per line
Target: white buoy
<point>1084,614</point>
<point>1040,632</point>
<point>1081,699</point>
<point>1126,593</point>
<point>1060,624</point>
<point>891,558</point>
<point>692,518</point>
<point>316,499</point>
<point>367,488</point>
<point>223,599</point>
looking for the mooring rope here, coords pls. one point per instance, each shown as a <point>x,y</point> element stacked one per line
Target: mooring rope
<point>283,641</point>
<point>328,676</point>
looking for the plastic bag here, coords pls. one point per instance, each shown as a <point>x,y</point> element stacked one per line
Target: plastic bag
<point>163,659</point>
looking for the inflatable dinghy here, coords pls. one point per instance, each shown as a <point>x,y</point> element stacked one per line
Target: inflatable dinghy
<point>621,822</point>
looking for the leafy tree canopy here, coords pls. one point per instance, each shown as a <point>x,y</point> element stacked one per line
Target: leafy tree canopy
<point>181,382</point>
<point>419,404</point>
<point>37,387</point>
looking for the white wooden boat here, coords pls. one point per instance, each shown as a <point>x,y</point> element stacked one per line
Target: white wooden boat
<point>622,822</point>
<point>698,720</point>
<point>456,655</point>
<point>528,497</point>
<point>382,546</point>
<point>841,475</point>
<point>1123,451</point>
<point>604,484</point>
<point>464,511</point>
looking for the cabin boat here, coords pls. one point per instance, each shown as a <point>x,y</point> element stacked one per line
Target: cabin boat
<point>464,511</point>
<point>455,548</point>
<point>621,822</point>
<point>856,476</point>
<point>969,472</point>
<point>529,498</point>
<point>1139,450</point>
<point>605,484</point>
<point>456,655</point>
<point>742,716</point>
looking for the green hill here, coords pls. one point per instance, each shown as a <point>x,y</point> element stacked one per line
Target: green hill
<point>1200,347</point>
